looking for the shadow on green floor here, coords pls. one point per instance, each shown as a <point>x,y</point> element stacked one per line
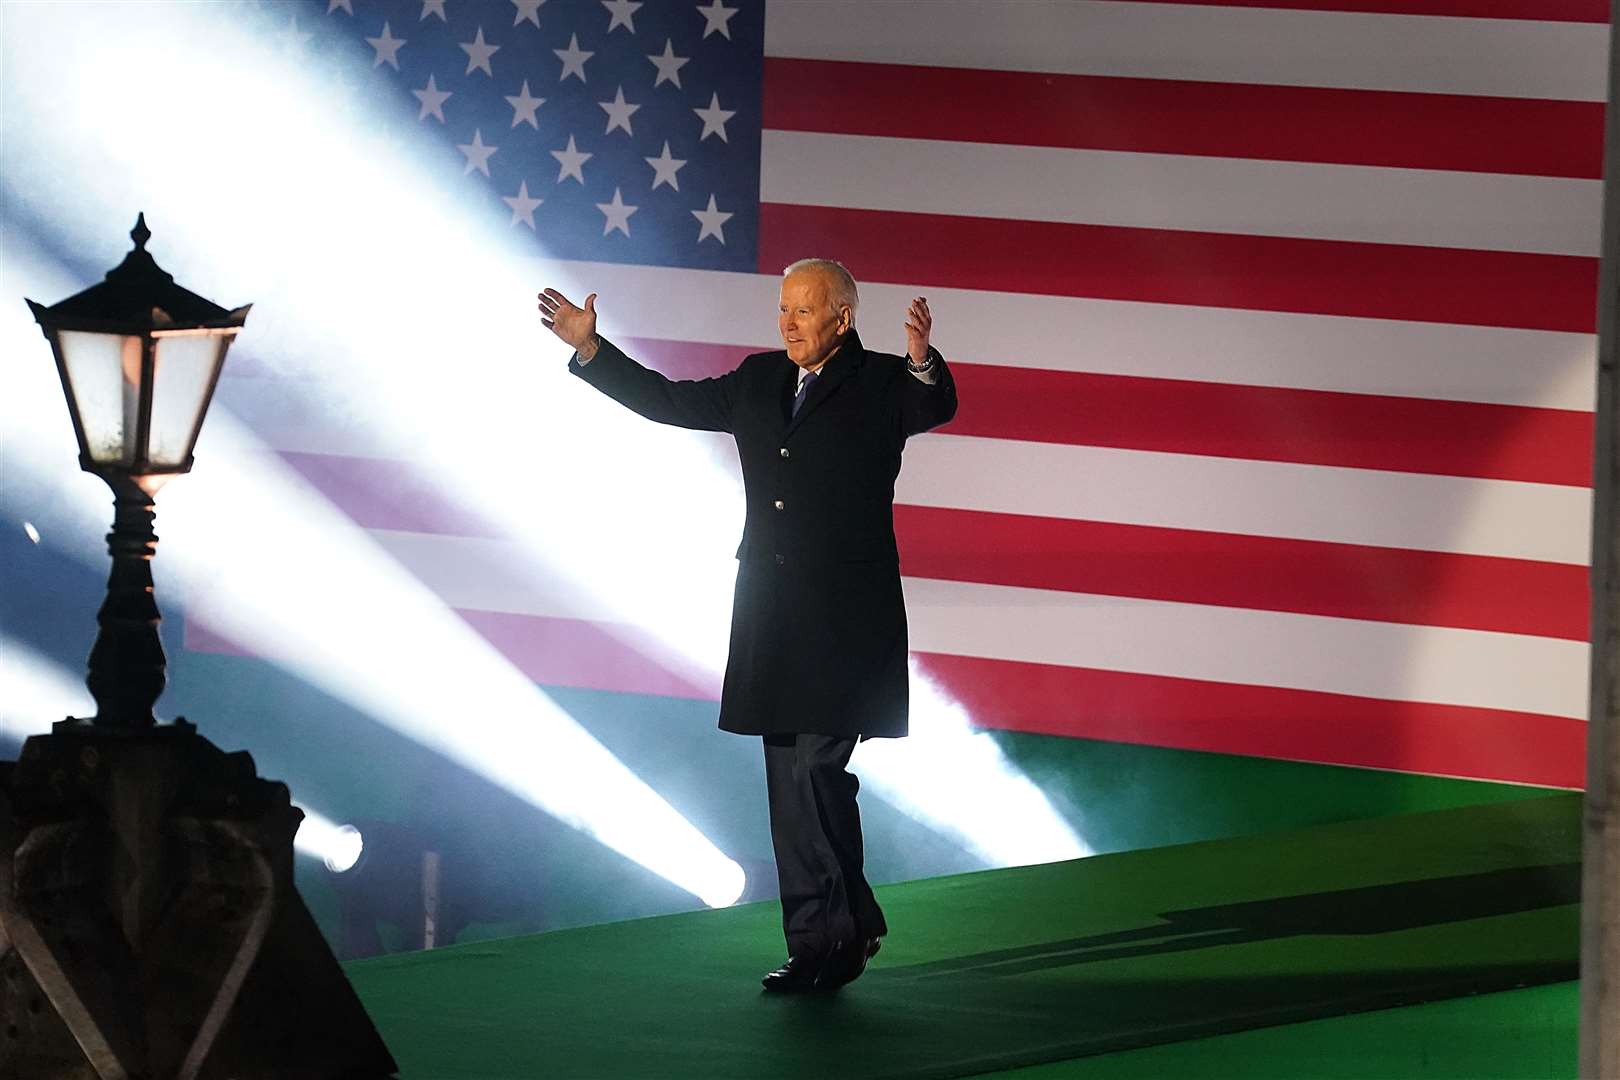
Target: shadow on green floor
<point>1008,968</point>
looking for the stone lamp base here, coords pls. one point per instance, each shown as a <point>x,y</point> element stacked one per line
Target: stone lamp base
<point>149,927</point>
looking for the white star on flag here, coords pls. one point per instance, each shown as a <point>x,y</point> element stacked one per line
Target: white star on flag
<point>616,214</point>
<point>478,53</point>
<point>717,19</point>
<point>711,222</point>
<point>623,13</point>
<point>432,99</point>
<point>522,205</point>
<point>527,11</point>
<point>573,161</point>
<point>665,168</point>
<point>714,118</point>
<point>618,111</point>
<point>573,59</point>
<point>333,5</point>
<point>387,48</point>
<point>523,107</point>
<point>477,154</point>
<point>669,65</point>
<point>433,7</point>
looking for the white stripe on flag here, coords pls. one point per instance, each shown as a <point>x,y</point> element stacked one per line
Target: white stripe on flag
<point>1425,207</point>
<point>1390,661</point>
<point>1454,514</point>
<point>1355,50</point>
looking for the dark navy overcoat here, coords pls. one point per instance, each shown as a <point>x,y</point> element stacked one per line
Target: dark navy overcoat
<point>818,625</point>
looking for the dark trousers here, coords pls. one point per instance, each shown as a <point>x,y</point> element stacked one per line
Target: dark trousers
<point>816,830</point>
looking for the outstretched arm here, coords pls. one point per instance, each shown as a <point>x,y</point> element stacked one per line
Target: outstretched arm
<point>703,404</point>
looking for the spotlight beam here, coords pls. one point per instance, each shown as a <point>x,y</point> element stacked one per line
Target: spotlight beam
<point>36,691</point>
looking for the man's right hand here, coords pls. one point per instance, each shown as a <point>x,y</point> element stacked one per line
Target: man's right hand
<point>575,325</point>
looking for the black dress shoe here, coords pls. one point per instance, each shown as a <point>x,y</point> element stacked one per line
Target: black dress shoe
<point>846,962</point>
<point>796,976</point>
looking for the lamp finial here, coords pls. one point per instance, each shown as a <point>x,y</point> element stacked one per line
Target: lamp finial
<point>140,233</point>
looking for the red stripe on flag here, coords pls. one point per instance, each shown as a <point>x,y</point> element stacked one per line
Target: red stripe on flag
<point>1264,423</point>
<point>1324,277</point>
<point>1314,427</point>
<point>1261,721</point>
<point>1474,592</point>
<point>1477,592</point>
<point>1164,116</point>
<point>1591,11</point>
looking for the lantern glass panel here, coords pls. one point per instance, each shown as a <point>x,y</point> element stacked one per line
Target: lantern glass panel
<point>104,374</point>
<point>182,376</point>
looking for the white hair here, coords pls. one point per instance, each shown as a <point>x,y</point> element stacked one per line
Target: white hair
<point>844,292</point>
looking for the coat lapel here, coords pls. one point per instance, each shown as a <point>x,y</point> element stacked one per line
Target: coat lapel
<point>842,365</point>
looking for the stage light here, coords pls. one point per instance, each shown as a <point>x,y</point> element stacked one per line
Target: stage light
<point>349,847</point>
<point>404,877</point>
<point>459,287</point>
<point>31,532</point>
<point>337,846</point>
<point>726,888</point>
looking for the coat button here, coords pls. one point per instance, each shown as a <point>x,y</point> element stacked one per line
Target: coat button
<point>780,505</point>
<point>780,559</point>
<point>785,453</point>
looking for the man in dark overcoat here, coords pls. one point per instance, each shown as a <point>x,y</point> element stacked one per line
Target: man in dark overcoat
<point>818,631</point>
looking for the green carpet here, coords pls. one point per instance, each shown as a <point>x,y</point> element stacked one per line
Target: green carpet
<point>1514,1035</point>
<point>996,970</point>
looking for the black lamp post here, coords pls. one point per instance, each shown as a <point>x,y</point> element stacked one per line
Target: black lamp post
<point>149,926</point>
<point>139,357</point>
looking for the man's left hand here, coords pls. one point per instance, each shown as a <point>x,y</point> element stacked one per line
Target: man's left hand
<point>918,324</point>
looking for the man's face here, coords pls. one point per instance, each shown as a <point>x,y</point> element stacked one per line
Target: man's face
<point>811,327</point>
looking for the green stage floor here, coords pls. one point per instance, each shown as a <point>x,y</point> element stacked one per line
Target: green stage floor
<point>1514,1035</point>
<point>1007,969</point>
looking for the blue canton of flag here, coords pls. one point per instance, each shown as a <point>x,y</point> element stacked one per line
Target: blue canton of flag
<point>616,130</point>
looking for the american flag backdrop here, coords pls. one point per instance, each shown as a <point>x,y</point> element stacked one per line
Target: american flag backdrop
<point>1273,325</point>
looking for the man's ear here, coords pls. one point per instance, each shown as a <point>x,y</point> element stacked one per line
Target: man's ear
<point>845,318</point>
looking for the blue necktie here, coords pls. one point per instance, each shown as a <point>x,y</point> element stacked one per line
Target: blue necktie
<point>804,390</point>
